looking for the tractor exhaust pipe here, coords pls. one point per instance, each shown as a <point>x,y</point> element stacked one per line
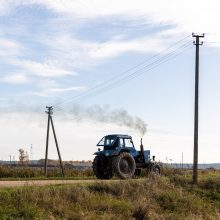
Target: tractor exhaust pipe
<point>142,148</point>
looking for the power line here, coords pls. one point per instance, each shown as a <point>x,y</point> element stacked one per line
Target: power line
<point>158,64</point>
<point>133,75</point>
<point>157,56</point>
<point>216,33</point>
<point>212,42</point>
<point>126,71</point>
<point>109,87</point>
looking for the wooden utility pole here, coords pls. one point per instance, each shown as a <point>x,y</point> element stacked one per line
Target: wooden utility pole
<point>182,160</point>
<point>196,115</point>
<point>49,112</point>
<point>50,121</point>
<point>57,146</point>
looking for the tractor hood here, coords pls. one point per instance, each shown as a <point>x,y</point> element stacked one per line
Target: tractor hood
<point>107,152</point>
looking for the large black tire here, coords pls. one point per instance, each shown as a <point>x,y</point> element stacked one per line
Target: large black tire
<point>98,169</point>
<point>123,165</point>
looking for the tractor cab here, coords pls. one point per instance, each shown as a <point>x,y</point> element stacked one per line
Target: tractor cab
<point>116,142</point>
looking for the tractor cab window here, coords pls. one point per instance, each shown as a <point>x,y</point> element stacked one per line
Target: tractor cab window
<point>107,141</point>
<point>121,142</point>
<point>102,142</point>
<point>128,142</point>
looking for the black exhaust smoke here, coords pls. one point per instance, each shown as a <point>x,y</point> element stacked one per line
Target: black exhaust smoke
<point>104,114</point>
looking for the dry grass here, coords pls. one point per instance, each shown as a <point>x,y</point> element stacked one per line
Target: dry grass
<point>167,197</point>
<point>36,173</point>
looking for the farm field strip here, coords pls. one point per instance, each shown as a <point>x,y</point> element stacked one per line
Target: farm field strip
<point>17,183</point>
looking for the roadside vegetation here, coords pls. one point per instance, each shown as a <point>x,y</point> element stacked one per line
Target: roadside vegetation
<point>25,172</point>
<point>171,196</point>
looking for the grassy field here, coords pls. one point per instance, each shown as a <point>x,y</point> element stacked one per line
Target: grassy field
<point>171,196</point>
<point>14,173</point>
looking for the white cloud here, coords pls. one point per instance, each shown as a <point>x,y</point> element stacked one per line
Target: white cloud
<point>115,48</point>
<point>9,48</point>
<point>48,88</point>
<point>42,69</point>
<point>189,15</point>
<point>78,53</point>
<point>47,83</point>
<point>40,94</point>
<point>60,90</point>
<point>67,52</point>
<point>16,78</point>
<point>4,7</point>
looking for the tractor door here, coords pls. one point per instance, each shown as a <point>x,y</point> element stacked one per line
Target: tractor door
<point>128,143</point>
<point>121,143</point>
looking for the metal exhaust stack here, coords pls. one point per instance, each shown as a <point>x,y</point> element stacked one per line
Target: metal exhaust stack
<point>142,148</point>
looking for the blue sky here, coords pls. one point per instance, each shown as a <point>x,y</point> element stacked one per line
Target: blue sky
<point>53,51</point>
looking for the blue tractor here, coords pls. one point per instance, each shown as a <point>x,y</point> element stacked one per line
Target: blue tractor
<point>120,158</point>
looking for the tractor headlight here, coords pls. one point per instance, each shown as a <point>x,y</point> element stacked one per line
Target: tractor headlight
<point>107,154</point>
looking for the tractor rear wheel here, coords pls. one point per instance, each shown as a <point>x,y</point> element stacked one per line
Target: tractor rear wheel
<point>99,168</point>
<point>123,165</point>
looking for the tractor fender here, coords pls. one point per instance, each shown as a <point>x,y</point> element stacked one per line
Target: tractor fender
<point>106,153</point>
<point>99,153</point>
<point>115,153</point>
<point>118,151</point>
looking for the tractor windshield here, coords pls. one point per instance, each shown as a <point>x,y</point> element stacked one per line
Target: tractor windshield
<point>107,140</point>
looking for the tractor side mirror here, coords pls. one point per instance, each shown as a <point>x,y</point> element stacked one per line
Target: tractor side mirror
<point>99,149</point>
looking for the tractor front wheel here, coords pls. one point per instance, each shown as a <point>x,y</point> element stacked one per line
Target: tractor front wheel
<point>123,165</point>
<point>100,170</point>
